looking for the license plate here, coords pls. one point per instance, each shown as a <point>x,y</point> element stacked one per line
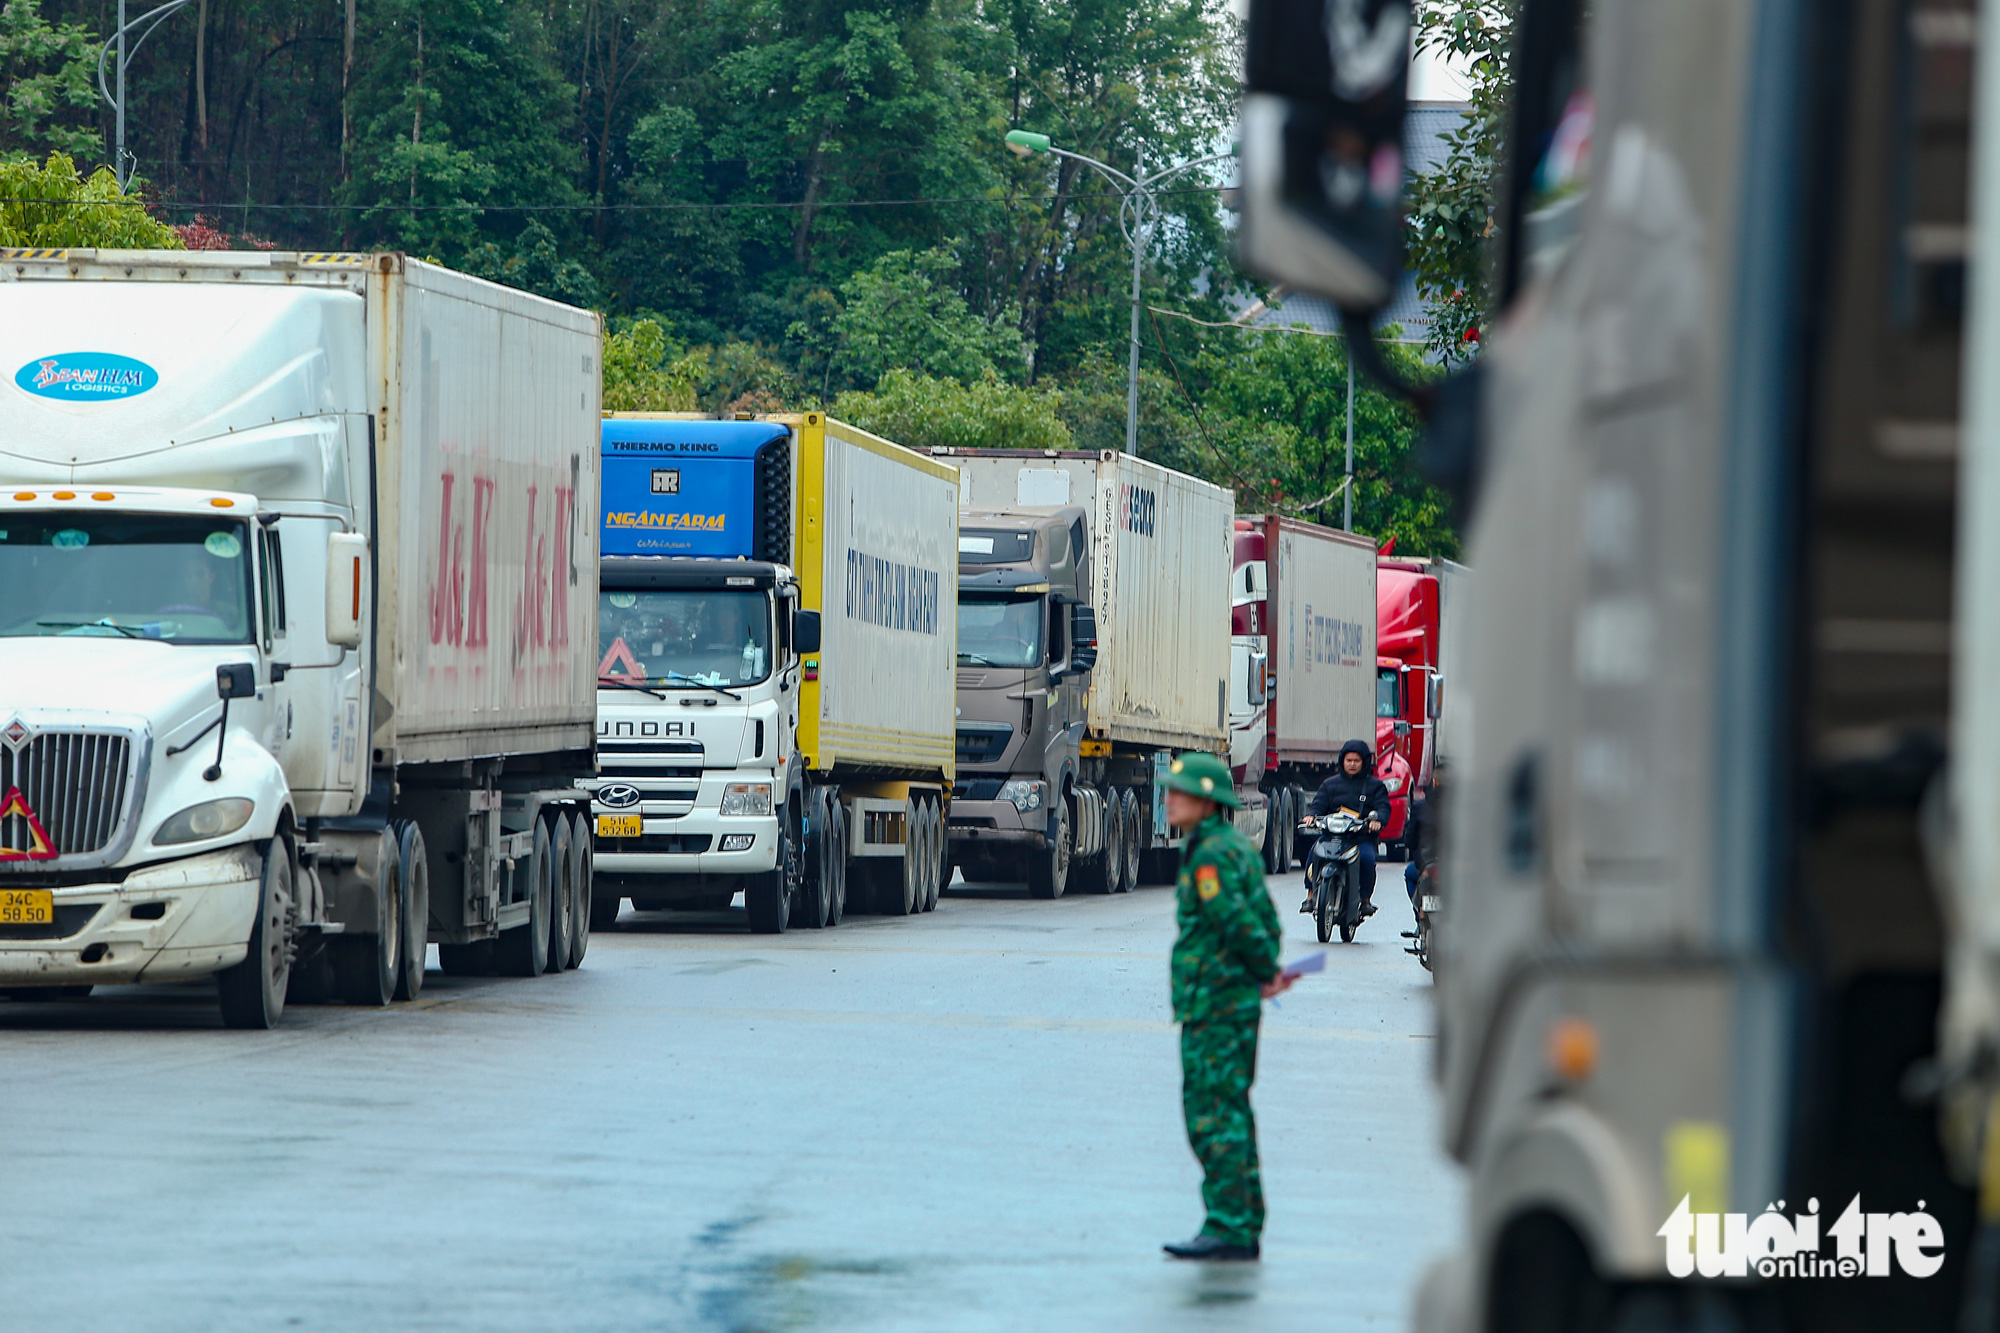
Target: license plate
<point>27,907</point>
<point>1428,904</point>
<point>618,826</point>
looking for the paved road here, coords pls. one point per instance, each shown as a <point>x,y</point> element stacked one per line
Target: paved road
<point>963,1121</point>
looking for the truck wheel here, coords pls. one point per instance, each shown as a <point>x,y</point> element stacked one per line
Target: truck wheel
<point>410,855</point>
<point>579,851</point>
<point>1136,829</point>
<point>524,950</point>
<point>1048,871</point>
<point>1098,873</point>
<point>934,851</point>
<point>604,912</point>
<point>253,991</point>
<point>768,897</point>
<point>562,895</point>
<point>837,898</point>
<point>809,904</point>
<point>367,966</point>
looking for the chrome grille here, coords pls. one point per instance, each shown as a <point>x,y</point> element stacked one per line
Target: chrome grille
<point>78,783</point>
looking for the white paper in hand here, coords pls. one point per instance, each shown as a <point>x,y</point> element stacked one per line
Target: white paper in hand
<point>1312,962</point>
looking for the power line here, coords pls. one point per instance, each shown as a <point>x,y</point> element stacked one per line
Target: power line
<point>239,206</point>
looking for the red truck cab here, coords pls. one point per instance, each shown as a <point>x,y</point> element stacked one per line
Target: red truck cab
<point>1406,663</point>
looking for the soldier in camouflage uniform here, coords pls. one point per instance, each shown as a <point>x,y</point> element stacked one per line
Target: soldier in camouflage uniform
<point>1225,964</point>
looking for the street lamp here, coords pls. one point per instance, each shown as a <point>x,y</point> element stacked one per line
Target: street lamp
<point>122,162</point>
<point>1136,198</point>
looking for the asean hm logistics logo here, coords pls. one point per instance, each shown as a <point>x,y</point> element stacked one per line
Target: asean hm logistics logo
<point>1772,1245</point>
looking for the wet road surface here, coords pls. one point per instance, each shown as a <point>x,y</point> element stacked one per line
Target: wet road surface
<point>963,1121</point>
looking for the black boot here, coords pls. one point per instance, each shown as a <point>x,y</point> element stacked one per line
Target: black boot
<point>1207,1248</point>
<point>1367,908</point>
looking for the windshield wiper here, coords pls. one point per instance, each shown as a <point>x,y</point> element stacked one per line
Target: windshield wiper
<point>972,659</point>
<point>704,685</point>
<point>602,681</point>
<point>126,630</point>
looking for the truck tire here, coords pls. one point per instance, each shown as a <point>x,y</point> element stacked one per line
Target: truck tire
<point>1048,870</point>
<point>579,850</point>
<point>768,897</point>
<point>413,859</point>
<point>562,895</point>
<point>252,993</point>
<point>813,907</point>
<point>1099,873</point>
<point>524,950</point>
<point>837,853</point>
<point>1136,829</point>
<point>934,851</point>
<point>368,966</point>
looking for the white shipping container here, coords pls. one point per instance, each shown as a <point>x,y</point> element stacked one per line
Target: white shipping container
<point>456,419</point>
<point>1454,687</point>
<point>884,520</point>
<point>1322,637</point>
<point>1160,553</point>
<point>487,448</point>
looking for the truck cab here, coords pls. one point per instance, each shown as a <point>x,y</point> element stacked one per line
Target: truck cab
<point>1023,589</point>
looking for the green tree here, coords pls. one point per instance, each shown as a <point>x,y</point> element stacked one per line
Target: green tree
<point>53,205</point>
<point>48,100</point>
<point>927,412</point>
<point>644,373</point>
<point>1450,209</point>
<point>903,312</point>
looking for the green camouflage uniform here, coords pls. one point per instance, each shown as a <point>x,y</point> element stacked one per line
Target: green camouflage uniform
<point>1228,946</point>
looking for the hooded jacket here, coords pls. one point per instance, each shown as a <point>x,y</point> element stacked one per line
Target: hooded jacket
<point>1363,793</point>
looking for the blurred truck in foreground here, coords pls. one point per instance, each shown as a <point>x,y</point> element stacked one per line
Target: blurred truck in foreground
<point>298,606</point>
<point>775,669</point>
<point>1093,601</point>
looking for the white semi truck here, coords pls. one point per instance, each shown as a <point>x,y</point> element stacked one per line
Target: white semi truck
<point>298,606</point>
<point>775,674</point>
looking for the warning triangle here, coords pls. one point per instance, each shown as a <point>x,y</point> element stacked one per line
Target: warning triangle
<point>39,848</point>
<point>621,652</point>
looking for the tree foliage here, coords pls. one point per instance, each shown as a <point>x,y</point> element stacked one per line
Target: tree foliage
<point>51,204</point>
<point>48,94</point>
<point>928,412</point>
<point>644,373</point>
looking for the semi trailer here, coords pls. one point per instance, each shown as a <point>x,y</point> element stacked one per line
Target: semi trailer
<point>1093,600</point>
<point>775,669</point>
<point>298,605</point>
<point>1302,664</point>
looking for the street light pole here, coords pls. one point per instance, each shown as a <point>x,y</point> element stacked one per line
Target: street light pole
<point>1347,511</point>
<point>123,162</point>
<point>1136,194</point>
<point>1138,238</point>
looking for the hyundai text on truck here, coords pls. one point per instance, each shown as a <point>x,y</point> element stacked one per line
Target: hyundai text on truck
<point>774,705</point>
<point>1302,665</point>
<point>298,611</point>
<point>1719,981</point>
<point>1092,646</point>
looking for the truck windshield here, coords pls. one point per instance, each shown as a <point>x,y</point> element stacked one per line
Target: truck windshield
<point>1388,692</point>
<point>182,578</point>
<point>1000,632</point>
<point>684,636</point>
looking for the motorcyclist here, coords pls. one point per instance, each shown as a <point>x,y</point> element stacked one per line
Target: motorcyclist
<point>1421,833</point>
<point>1355,787</point>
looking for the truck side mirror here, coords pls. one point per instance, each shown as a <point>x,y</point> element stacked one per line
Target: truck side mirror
<point>805,632</point>
<point>238,680</point>
<point>1082,637</point>
<point>1325,91</point>
<point>346,588</point>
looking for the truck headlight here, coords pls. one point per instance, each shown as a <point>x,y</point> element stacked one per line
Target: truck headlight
<point>747,798</point>
<point>738,842</point>
<point>1393,784</point>
<point>210,819</point>
<point>1024,794</point>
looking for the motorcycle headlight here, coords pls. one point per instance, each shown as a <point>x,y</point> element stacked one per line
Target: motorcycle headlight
<point>1024,794</point>
<point>747,798</point>
<point>210,819</point>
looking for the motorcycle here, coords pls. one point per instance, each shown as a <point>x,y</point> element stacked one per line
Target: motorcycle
<point>1427,911</point>
<point>1333,873</point>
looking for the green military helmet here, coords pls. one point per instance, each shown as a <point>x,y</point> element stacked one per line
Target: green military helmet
<point>1199,773</point>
